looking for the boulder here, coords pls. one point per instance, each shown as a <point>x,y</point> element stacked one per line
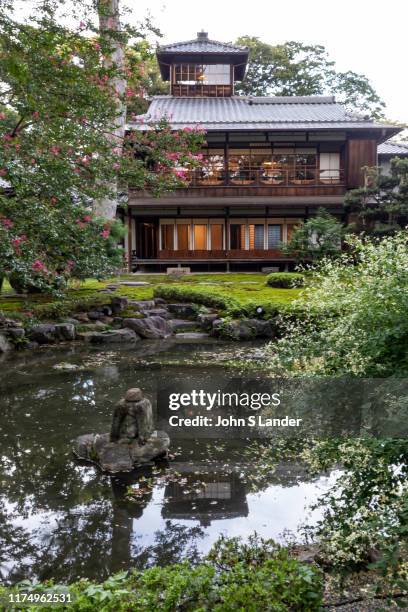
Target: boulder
<point>43,333</point>
<point>182,310</point>
<point>157,312</point>
<point>206,320</point>
<point>15,333</point>
<point>244,329</point>
<point>65,331</point>
<point>95,315</point>
<point>118,304</point>
<point>114,457</point>
<point>82,317</point>
<point>150,327</point>
<point>159,301</point>
<point>5,345</point>
<point>182,325</point>
<point>114,336</point>
<point>143,304</point>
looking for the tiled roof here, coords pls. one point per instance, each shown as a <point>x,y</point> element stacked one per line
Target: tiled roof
<point>393,148</point>
<point>201,44</point>
<point>246,113</point>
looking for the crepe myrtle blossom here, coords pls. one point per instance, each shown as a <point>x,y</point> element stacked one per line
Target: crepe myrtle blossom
<point>7,223</point>
<point>105,233</point>
<point>38,266</point>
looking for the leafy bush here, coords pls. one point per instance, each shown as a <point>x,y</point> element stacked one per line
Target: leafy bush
<point>256,576</point>
<point>206,297</point>
<point>359,314</point>
<point>285,280</point>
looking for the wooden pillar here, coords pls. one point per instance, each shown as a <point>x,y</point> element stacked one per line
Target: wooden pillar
<point>129,241</point>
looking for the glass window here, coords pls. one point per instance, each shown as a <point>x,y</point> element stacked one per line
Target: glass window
<point>199,74</point>
<point>217,236</point>
<point>239,165</point>
<point>274,236</point>
<point>167,237</point>
<point>237,236</point>
<point>256,236</point>
<point>211,171</point>
<point>183,235</point>
<point>200,237</point>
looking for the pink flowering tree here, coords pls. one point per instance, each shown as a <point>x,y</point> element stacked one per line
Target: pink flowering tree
<point>57,158</point>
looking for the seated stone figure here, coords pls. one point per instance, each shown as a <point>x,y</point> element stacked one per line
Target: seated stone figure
<point>132,441</point>
<point>132,418</point>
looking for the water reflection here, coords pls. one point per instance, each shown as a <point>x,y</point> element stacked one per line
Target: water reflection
<point>63,520</point>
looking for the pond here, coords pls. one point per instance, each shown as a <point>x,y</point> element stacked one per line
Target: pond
<point>64,520</point>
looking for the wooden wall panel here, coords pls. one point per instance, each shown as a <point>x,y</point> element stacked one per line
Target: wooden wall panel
<point>360,153</point>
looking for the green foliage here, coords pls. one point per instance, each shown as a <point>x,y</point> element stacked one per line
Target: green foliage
<point>319,236</point>
<point>285,280</point>
<point>381,206</point>
<point>365,513</point>
<point>296,69</point>
<point>206,297</point>
<point>57,158</point>
<point>259,575</point>
<point>358,322</point>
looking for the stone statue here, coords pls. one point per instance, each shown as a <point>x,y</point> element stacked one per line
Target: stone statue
<point>132,440</point>
<point>133,418</point>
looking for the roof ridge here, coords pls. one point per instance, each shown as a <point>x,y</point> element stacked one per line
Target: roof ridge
<point>206,41</point>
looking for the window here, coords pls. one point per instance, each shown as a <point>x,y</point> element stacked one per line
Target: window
<point>202,74</point>
<point>216,231</point>
<point>274,236</point>
<point>329,167</point>
<point>212,170</point>
<point>200,237</point>
<point>256,236</point>
<point>183,236</point>
<point>237,236</point>
<point>167,237</point>
<point>240,167</point>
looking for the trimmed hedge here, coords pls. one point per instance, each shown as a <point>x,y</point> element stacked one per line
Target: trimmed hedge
<point>205,297</point>
<point>285,280</point>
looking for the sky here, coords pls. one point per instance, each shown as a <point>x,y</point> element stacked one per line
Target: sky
<point>366,36</point>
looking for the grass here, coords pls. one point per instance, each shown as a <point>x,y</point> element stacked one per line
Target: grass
<point>243,287</point>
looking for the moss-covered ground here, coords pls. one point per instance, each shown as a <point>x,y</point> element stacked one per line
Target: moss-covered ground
<point>243,287</point>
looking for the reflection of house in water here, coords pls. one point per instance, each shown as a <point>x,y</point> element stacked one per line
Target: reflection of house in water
<point>221,496</point>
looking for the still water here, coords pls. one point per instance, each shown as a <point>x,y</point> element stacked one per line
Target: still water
<point>63,520</point>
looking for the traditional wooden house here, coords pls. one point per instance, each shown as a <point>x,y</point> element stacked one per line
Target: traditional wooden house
<point>271,162</point>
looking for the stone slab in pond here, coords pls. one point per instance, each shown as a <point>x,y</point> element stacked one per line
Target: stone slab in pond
<point>192,336</point>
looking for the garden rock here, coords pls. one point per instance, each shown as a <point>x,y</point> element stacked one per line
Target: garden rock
<point>134,283</point>
<point>65,331</point>
<point>16,333</point>
<point>159,312</point>
<point>5,345</point>
<point>114,336</point>
<point>244,329</point>
<point>182,310</point>
<point>182,325</point>
<point>206,320</point>
<point>143,304</point>
<point>44,333</point>
<point>95,315</point>
<point>118,304</point>
<point>150,327</point>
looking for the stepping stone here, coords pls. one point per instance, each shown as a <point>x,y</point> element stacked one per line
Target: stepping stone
<point>157,312</point>
<point>134,283</point>
<point>195,336</point>
<point>181,324</point>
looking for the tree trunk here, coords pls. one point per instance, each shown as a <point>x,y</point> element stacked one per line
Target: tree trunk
<point>108,12</point>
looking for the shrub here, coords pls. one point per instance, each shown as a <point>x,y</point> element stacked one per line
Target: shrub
<point>205,297</point>
<point>285,280</point>
<point>256,576</point>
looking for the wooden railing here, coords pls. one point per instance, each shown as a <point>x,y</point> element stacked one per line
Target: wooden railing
<point>222,254</point>
<point>261,177</point>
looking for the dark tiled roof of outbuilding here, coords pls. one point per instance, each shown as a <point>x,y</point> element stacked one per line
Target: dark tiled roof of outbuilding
<point>393,148</point>
<point>253,113</point>
<point>202,44</point>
